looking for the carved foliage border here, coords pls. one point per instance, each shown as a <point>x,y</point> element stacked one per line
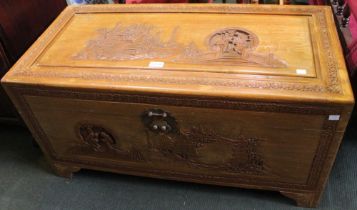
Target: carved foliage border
<point>326,136</point>
<point>332,84</point>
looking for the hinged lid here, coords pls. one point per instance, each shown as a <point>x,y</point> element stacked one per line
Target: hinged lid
<point>287,53</point>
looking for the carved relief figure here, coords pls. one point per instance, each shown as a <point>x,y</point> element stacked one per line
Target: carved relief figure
<point>228,46</point>
<point>98,139</point>
<point>236,46</point>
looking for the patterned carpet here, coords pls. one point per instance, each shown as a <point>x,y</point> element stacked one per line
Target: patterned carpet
<point>27,183</point>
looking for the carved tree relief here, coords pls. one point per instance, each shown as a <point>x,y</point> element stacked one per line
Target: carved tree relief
<point>227,46</point>
<point>184,147</point>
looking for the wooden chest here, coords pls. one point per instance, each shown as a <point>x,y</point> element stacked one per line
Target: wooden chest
<point>236,95</point>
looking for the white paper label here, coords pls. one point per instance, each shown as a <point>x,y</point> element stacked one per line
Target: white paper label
<point>156,64</point>
<point>301,71</point>
<point>334,117</point>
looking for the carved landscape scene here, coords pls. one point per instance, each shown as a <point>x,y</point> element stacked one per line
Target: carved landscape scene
<point>227,46</point>
<point>185,147</point>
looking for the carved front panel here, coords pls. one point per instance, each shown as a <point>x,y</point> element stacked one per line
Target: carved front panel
<point>266,144</point>
<point>186,147</point>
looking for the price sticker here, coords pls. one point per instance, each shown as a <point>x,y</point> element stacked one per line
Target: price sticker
<point>334,117</point>
<point>301,71</point>
<point>156,64</point>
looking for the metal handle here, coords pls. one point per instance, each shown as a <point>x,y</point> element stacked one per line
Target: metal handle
<point>152,113</point>
<point>159,121</point>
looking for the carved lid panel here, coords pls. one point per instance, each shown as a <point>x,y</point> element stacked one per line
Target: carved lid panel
<point>197,49</point>
<point>189,42</point>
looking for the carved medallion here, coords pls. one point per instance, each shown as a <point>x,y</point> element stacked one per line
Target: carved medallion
<point>228,46</point>
<point>236,46</point>
<point>233,41</point>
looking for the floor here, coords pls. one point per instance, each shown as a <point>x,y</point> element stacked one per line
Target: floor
<point>27,183</point>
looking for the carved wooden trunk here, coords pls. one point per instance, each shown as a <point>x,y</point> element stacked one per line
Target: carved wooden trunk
<point>246,96</point>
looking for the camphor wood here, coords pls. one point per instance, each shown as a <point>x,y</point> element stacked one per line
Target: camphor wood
<point>235,95</point>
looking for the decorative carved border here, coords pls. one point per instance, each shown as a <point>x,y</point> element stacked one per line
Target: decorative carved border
<point>332,85</point>
<point>198,8</point>
<point>176,101</point>
<point>326,137</point>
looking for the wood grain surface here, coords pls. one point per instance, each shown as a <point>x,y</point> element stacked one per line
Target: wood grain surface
<point>259,99</point>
